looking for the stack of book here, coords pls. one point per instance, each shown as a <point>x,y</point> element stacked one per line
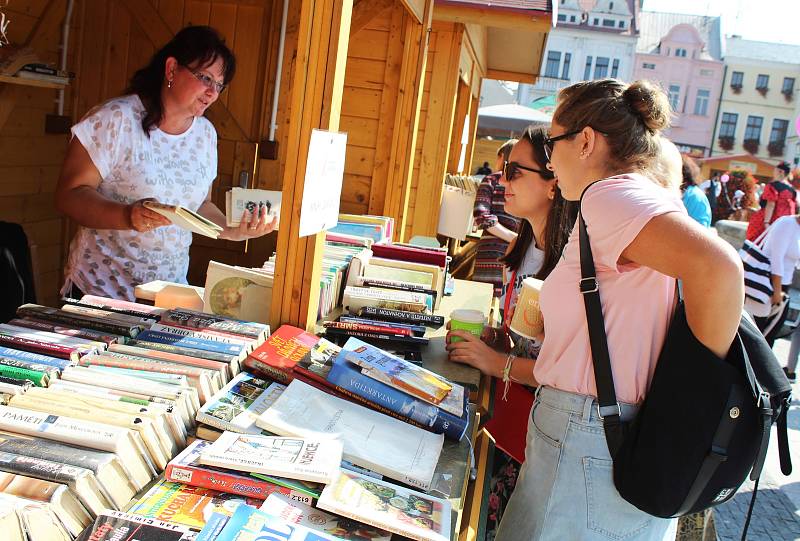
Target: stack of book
<point>379,229</point>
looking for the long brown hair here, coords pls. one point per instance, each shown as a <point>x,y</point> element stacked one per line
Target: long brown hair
<point>560,218</point>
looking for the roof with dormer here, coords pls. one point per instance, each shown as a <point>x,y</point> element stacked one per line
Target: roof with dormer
<point>654,27</point>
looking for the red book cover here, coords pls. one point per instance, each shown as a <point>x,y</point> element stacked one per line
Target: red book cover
<point>366,327</point>
<point>282,351</point>
<point>415,255</point>
<point>44,348</point>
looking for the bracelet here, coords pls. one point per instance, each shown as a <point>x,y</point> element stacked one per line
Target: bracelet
<point>507,374</point>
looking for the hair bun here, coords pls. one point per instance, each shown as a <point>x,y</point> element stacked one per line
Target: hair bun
<point>650,103</point>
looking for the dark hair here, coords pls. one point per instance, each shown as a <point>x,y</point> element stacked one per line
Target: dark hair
<point>630,116</point>
<point>196,46</point>
<point>691,172</point>
<point>785,167</point>
<point>560,218</point>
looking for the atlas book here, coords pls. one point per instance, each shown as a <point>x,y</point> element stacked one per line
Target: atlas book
<point>385,505</point>
<point>315,460</point>
<point>371,440</point>
<point>186,468</point>
<point>316,519</point>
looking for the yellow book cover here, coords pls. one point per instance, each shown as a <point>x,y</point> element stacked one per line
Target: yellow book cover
<point>187,505</point>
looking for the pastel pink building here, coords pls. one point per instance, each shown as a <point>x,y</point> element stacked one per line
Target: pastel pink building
<point>683,54</point>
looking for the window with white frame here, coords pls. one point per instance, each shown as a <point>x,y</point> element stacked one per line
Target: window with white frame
<point>674,94</point>
<point>680,52</point>
<point>565,68</point>
<point>615,68</point>
<point>779,129</point>
<point>587,71</point>
<point>553,63</point>
<point>762,82</point>
<point>648,66</point>
<point>601,67</point>
<point>701,102</point>
<point>753,129</point>
<point>727,128</point>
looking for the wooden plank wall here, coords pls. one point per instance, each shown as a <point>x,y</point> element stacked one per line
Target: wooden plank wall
<point>30,160</point>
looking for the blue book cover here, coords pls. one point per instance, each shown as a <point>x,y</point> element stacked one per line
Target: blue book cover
<point>35,358</point>
<point>213,527</point>
<point>248,524</point>
<point>370,231</point>
<point>348,376</point>
<point>189,342</point>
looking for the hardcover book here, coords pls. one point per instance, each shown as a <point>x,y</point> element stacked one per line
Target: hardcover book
<point>278,356</point>
<point>119,526</point>
<point>396,509</point>
<point>312,460</point>
<point>96,320</point>
<point>356,298</point>
<point>186,505</point>
<point>37,519</point>
<point>199,320</point>
<point>237,405</point>
<point>315,519</point>
<point>186,468</point>
<point>189,342</point>
<point>371,439</point>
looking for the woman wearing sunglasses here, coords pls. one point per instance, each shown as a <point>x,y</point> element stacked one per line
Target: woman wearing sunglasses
<point>152,143</point>
<point>603,137</point>
<point>532,195</point>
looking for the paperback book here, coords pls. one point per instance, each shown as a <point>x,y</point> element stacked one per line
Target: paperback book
<point>315,460</point>
<point>248,524</point>
<point>237,405</point>
<point>119,526</point>
<point>283,350</point>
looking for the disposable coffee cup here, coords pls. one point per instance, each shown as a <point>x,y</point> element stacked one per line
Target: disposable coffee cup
<point>471,321</point>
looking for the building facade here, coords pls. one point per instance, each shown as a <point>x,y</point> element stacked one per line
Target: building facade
<point>759,94</point>
<point>682,54</point>
<point>585,46</point>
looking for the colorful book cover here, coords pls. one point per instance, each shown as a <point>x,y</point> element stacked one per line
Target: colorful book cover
<point>397,372</point>
<point>10,353</point>
<point>249,524</point>
<point>119,526</point>
<point>320,521</point>
<point>319,360</point>
<point>187,505</point>
<point>315,460</point>
<point>237,405</point>
<point>189,342</point>
<point>282,351</point>
<point>186,468</point>
<point>391,507</point>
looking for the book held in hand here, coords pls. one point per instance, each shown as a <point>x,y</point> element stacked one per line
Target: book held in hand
<point>185,219</point>
<point>297,458</point>
<point>239,200</point>
<point>397,509</point>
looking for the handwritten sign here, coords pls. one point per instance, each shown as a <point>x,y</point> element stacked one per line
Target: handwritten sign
<point>323,187</point>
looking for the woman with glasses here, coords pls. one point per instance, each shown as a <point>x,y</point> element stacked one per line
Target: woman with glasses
<point>604,135</point>
<point>532,195</point>
<point>499,227</point>
<point>153,143</point>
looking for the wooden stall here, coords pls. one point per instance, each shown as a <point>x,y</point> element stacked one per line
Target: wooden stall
<point>761,169</point>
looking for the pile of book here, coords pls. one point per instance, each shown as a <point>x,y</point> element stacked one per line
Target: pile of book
<point>98,396</point>
<point>282,452</point>
<point>379,229</point>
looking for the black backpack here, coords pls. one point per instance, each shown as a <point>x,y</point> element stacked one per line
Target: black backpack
<point>705,422</point>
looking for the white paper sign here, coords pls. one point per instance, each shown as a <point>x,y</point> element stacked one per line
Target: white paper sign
<point>323,188</point>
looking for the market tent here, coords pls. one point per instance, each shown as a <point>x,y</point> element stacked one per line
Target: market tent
<point>508,119</point>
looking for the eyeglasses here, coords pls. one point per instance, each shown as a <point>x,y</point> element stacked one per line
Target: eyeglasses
<point>510,170</point>
<point>207,80</point>
<point>550,142</point>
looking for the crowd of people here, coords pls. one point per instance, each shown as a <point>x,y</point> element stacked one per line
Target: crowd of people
<point>649,216</point>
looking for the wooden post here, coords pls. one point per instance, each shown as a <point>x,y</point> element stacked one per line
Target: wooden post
<point>315,101</point>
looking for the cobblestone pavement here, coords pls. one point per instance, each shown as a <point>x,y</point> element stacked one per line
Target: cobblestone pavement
<point>776,516</point>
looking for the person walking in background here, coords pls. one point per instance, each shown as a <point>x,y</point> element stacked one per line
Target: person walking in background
<point>603,137</point>
<point>499,227</point>
<point>712,188</point>
<point>484,169</point>
<point>778,199</point>
<point>694,199</point>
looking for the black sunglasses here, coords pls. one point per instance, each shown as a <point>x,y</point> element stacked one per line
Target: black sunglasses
<point>550,142</point>
<point>510,170</point>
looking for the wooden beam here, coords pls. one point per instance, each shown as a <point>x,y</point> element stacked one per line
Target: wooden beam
<point>314,99</point>
<point>159,33</point>
<point>532,21</point>
<point>366,10</point>
<point>417,9</point>
<point>500,75</point>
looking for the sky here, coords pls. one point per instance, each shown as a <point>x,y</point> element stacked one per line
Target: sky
<point>761,20</point>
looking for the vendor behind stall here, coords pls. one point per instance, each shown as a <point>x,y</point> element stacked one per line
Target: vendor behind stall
<point>152,143</point>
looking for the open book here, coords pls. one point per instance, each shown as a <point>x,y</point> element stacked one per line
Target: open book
<point>186,219</point>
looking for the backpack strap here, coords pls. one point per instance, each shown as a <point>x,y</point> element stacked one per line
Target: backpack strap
<point>783,438</point>
<point>608,407</point>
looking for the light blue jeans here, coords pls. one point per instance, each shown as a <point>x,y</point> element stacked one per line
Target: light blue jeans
<point>565,490</point>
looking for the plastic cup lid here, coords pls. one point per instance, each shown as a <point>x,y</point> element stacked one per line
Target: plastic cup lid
<point>467,316</point>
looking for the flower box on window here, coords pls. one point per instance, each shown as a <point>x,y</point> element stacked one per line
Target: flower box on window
<point>775,148</point>
<point>788,94</point>
<point>736,88</point>
<point>762,90</point>
<point>726,142</point>
<point>751,145</point>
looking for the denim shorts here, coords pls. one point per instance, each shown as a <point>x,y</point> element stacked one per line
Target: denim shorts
<point>565,490</point>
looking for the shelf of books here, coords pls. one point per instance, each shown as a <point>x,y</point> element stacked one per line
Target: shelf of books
<point>198,422</point>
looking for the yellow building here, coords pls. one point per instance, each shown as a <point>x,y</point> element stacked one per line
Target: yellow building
<point>756,113</point>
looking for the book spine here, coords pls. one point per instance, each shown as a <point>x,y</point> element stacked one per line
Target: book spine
<point>28,365</point>
<point>395,286</point>
<point>86,334</point>
<point>117,306</point>
<point>262,368</point>
<point>194,321</point>
<point>202,335</point>
<point>38,468</point>
<point>42,348</point>
<point>401,405</point>
<point>365,327</point>
<point>193,343</point>
<point>35,357</point>
<point>180,350</point>
<point>407,340</point>
<point>76,320</point>
<point>417,330</point>
<point>401,316</point>
<point>39,379</point>
<point>230,483</point>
